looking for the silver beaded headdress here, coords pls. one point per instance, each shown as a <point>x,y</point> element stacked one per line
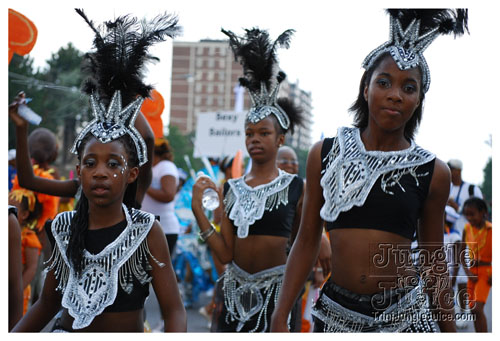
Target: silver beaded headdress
<point>257,54</point>
<point>111,124</point>
<point>412,31</point>
<point>115,83</point>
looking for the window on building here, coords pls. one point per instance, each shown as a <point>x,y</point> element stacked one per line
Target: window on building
<point>198,87</point>
<point>199,50</point>
<point>210,100</point>
<point>210,76</point>
<point>199,62</point>
<point>210,88</point>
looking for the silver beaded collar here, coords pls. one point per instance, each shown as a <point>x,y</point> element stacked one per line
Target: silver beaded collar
<point>351,171</point>
<point>244,204</point>
<point>111,124</point>
<point>87,295</point>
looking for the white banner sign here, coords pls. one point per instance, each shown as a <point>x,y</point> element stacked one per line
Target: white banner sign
<point>219,134</point>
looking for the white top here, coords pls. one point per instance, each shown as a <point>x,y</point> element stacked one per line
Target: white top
<point>460,194</point>
<point>168,219</point>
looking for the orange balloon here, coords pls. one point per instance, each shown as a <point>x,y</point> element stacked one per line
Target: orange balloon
<point>152,109</point>
<point>22,34</point>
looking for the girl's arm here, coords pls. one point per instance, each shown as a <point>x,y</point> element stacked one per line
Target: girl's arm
<point>305,249</point>
<point>430,239</point>
<point>15,272</point>
<point>25,175</point>
<point>298,215</point>
<point>166,193</point>
<point>165,283</point>
<point>31,255</point>
<point>44,309</point>
<point>222,245</point>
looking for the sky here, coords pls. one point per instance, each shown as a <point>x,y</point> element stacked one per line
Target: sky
<point>325,58</point>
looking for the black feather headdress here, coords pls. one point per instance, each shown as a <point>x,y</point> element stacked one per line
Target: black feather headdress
<point>257,54</point>
<point>412,31</point>
<point>115,81</point>
<point>121,50</point>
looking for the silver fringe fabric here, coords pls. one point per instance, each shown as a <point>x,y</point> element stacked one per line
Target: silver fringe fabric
<point>244,204</point>
<point>352,171</point>
<point>248,295</point>
<point>87,295</point>
<point>410,314</point>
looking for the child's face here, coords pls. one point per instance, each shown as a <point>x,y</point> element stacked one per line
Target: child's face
<point>104,172</point>
<point>474,216</point>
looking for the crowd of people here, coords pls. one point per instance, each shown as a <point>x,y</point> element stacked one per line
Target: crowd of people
<point>361,245</point>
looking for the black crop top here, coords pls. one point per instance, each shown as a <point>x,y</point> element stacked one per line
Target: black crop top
<point>397,213</point>
<point>278,221</point>
<point>95,242</point>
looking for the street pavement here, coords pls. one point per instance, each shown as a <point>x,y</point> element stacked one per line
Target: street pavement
<point>195,321</point>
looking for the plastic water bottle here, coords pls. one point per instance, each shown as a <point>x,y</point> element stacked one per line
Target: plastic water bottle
<point>210,198</point>
<point>29,115</point>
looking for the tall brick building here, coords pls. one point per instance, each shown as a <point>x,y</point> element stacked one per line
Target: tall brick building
<point>204,76</point>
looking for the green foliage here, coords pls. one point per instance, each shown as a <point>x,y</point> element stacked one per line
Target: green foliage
<point>302,157</point>
<point>486,186</point>
<point>55,94</point>
<point>183,145</point>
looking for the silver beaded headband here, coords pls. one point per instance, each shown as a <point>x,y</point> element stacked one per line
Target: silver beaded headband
<point>111,124</point>
<point>407,44</point>
<point>406,48</point>
<point>265,104</point>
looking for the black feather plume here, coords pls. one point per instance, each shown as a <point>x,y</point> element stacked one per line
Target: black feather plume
<point>120,54</point>
<point>294,113</point>
<point>257,54</point>
<point>446,20</point>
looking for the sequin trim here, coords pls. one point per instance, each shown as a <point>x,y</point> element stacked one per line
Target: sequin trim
<point>87,295</point>
<point>109,125</point>
<point>410,314</point>
<point>352,171</point>
<point>244,205</point>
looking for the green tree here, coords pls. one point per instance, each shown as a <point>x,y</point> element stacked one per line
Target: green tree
<point>486,186</point>
<point>55,93</point>
<point>182,145</point>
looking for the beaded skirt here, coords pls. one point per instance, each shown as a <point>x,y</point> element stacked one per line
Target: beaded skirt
<point>248,299</point>
<point>404,310</point>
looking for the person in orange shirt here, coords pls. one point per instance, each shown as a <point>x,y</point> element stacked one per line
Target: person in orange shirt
<point>29,210</point>
<point>477,236</point>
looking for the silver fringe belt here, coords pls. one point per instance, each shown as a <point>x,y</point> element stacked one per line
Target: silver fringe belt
<point>248,295</point>
<point>410,314</point>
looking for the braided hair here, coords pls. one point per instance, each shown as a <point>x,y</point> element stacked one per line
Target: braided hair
<point>80,222</point>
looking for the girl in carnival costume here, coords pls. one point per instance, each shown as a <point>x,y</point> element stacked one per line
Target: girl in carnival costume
<point>107,252</point>
<point>478,238</point>
<point>376,189</point>
<point>260,208</point>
